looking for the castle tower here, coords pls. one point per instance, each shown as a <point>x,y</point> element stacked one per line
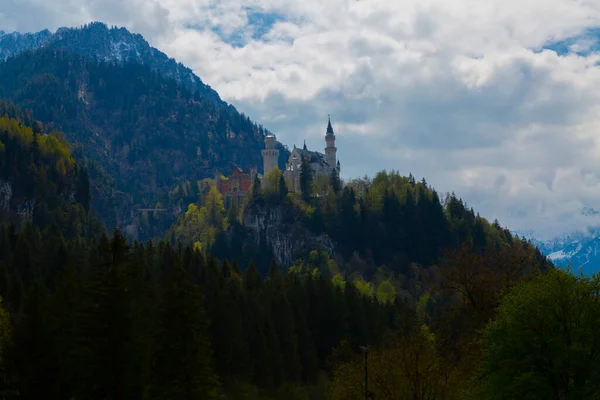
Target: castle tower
<point>330,150</point>
<point>270,154</point>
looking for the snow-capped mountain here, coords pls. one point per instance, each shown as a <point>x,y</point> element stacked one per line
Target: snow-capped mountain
<point>581,250</point>
<point>116,45</point>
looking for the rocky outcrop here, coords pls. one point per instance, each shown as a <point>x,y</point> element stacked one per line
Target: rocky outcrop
<point>286,236</point>
<point>6,192</point>
<point>22,209</point>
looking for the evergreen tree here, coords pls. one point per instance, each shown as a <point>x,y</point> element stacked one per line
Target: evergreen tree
<point>306,178</point>
<point>336,184</point>
<point>34,355</point>
<point>182,367</point>
<point>283,189</point>
<point>256,194</point>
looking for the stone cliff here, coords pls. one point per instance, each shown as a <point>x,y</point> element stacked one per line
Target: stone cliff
<point>21,209</point>
<point>284,233</point>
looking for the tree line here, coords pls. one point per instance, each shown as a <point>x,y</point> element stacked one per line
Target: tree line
<point>107,319</point>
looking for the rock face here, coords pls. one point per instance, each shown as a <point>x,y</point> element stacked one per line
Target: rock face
<point>22,209</point>
<point>287,237</point>
<point>6,192</point>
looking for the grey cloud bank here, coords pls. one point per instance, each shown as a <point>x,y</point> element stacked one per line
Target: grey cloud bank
<point>458,92</point>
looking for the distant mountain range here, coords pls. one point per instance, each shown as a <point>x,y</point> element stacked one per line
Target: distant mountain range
<point>580,250</point>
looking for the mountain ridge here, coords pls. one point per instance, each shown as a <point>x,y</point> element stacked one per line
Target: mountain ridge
<point>118,45</point>
<point>578,249</point>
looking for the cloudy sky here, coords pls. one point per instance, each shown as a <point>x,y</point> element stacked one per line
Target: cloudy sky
<point>496,100</point>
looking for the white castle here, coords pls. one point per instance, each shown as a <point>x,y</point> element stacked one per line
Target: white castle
<point>320,164</point>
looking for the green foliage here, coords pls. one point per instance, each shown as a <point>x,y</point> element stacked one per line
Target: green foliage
<point>334,180</point>
<point>283,189</point>
<point>339,281</point>
<point>306,179</point>
<point>272,180</point>
<point>405,366</point>
<point>202,224</point>
<point>422,307</point>
<point>42,171</point>
<point>6,336</point>
<point>182,365</point>
<point>109,319</point>
<point>14,129</point>
<point>543,341</point>
<point>364,288</point>
<point>386,292</point>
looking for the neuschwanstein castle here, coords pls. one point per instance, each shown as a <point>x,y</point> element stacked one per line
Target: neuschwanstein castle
<point>320,164</point>
<point>238,184</point>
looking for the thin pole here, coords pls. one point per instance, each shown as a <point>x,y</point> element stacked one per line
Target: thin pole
<point>366,376</point>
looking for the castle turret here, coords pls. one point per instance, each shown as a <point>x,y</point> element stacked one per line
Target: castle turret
<point>270,154</point>
<point>330,149</point>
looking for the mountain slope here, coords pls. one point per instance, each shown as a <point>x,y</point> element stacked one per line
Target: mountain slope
<point>580,250</point>
<point>40,180</point>
<point>141,131</point>
<point>114,45</point>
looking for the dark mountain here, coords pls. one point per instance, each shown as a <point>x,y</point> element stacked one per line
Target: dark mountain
<point>112,45</point>
<point>141,131</point>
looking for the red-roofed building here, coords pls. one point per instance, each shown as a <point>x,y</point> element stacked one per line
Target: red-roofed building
<point>235,187</point>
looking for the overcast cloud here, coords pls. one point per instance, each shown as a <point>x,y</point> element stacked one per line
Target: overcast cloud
<point>459,92</point>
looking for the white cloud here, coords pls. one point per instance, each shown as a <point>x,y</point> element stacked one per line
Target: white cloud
<point>453,91</point>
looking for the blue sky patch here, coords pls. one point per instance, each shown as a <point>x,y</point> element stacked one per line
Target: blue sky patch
<point>259,24</point>
<point>584,44</point>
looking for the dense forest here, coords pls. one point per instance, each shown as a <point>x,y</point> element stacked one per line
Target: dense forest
<point>139,132</point>
<point>390,223</point>
<point>40,180</point>
<point>420,299</point>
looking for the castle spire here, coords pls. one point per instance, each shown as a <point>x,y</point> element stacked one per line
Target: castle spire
<point>329,128</point>
<point>304,144</point>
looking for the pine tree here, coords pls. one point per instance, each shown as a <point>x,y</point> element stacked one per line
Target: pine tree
<point>6,338</point>
<point>182,359</point>
<point>33,356</point>
<point>256,188</point>
<point>306,179</point>
<point>283,190</point>
<point>336,184</point>
<point>112,328</point>
<point>232,214</point>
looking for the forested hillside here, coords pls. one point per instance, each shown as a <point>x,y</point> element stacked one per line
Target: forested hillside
<point>40,180</point>
<point>107,320</point>
<point>140,132</point>
<point>390,223</point>
<point>413,279</point>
